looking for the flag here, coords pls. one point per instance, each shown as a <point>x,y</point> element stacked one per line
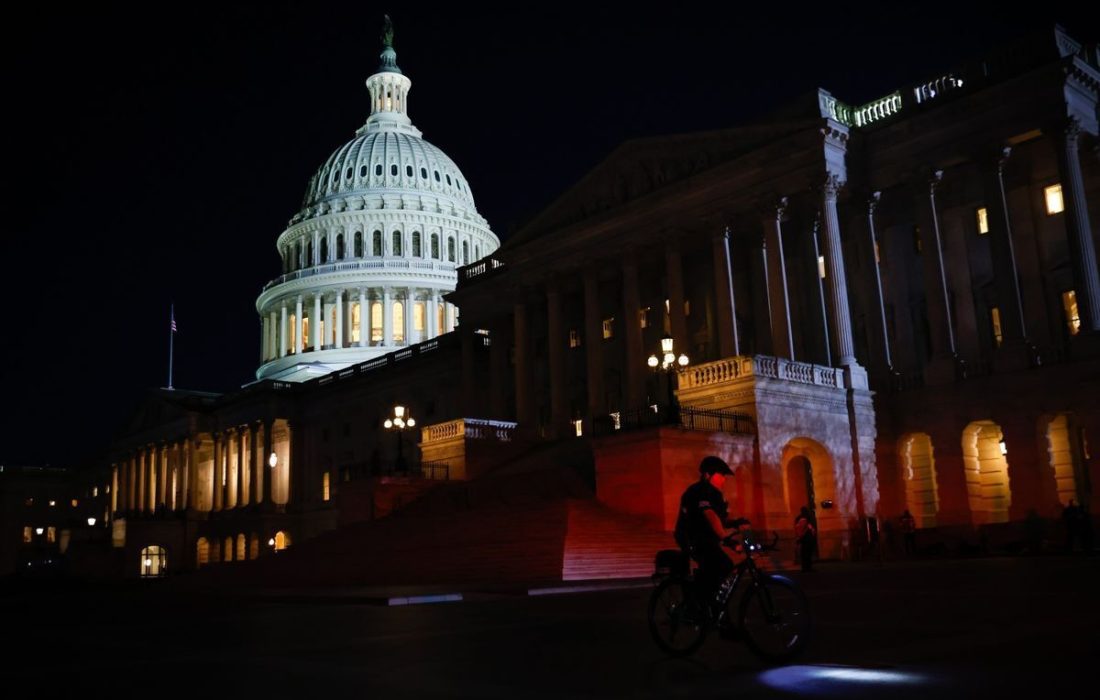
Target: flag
<point>174,329</point>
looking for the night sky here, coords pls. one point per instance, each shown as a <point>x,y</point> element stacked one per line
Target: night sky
<point>154,153</point>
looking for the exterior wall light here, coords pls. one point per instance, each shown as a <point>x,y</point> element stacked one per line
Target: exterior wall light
<point>1004,447</point>
<point>39,530</point>
<point>91,522</point>
<point>272,460</point>
<point>271,542</point>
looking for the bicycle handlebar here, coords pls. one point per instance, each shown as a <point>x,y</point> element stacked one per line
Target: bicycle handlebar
<point>729,541</point>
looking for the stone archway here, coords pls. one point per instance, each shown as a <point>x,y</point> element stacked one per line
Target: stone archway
<point>1065,450</point>
<point>918,471</point>
<point>985,459</point>
<point>809,479</point>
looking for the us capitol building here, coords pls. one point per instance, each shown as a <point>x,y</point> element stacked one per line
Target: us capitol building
<point>867,308</point>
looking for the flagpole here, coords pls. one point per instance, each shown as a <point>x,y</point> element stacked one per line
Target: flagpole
<point>171,341</point>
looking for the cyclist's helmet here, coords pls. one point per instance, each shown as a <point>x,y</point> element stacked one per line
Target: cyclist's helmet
<point>714,465</point>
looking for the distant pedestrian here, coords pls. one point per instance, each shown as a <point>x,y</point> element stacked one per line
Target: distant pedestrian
<point>1072,518</point>
<point>805,537</point>
<point>909,532</point>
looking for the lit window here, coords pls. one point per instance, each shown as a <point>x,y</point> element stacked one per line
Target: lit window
<point>608,328</point>
<point>29,502</point>
<point>28,533</point>
<point>53,503</point>
<point>281,541</point>
<point>75,502</point>
<point>1073,316</point>
<point>643,317</point>
<point>983,221</point>
<point>95,492</point>
<point>355,315</point>
<point>376,322</point>
<point>1053,195</point>
<point>154,562</point>
<point>51,534</point>
<point>324,486</point>
<point>995,319</point>
<point>305,330</point>
<point>574,339</point>
<point>398,322</point>
<point>293,334</point>
<point>821,266</point>
<point>397,240</point>
<point>578,426</point>
<point>418,316</point>
<point>687,308</point>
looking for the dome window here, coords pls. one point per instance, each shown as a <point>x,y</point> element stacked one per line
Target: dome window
<point>451,249</point>
<point>340,246</point>
<point>358,244</point>
<point>324,251</point>
<point>309,253</point>
<point>424,173</point>
<point>465,252</point>
<point>448,181</point>
<point>349,173</point>
<point>378,170</point>
<point>376,243</point>
<point>435,246</point>
<point>397,247</point>
<point>335,176</point>
<point>393,169</point>
<point>437,176</point>
<point>408,171</point>
<point>362,171</point>
<point>416,244</point>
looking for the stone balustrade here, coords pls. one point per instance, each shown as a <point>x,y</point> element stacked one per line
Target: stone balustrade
<point>731,368</point>
<point>468,428</point>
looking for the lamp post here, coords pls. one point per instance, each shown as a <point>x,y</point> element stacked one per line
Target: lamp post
<point>399,423</point>
<point>669,363</point>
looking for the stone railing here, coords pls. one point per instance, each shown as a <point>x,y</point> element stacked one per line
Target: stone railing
<point>481,268</point>
<point>878,110</point>
<point>470,429</point>
<point>732,368</point>
<point>353,265</point>
<point>933,88</point>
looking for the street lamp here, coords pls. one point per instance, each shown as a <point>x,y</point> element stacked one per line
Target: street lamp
<point>91,522</point>
<point>669,363</point>
<point>399,423</point>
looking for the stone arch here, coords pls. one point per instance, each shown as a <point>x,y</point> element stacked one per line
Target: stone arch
<point>154,561</point>
<point>202,552</point>
<point>985,459</point>
<point>821,482</point>
<point>918,471</point>
<point>1065,452</point>
<point>242,547</point>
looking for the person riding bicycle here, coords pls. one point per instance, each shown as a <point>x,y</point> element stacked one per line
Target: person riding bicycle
<point>701,526</point>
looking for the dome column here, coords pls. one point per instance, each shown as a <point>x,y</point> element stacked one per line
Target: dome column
<point>406,317</point>
<point>298,342</point>
<point>282,330</point>
<point>432,314</point>
<point>315,322</point>
<point>339,318</point>
<point>387,318</point>
<point>364,318</point>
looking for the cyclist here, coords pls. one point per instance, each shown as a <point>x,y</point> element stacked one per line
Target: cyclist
<point>701,526</point>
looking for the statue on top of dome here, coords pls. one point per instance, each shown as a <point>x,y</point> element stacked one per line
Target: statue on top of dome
<point>387,31</point>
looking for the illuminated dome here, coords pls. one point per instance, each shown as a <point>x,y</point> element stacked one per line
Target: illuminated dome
<point>384,224</point>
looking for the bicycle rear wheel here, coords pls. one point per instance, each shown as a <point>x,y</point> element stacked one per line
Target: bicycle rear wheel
<point>675,624</point>
<point>775,618</point>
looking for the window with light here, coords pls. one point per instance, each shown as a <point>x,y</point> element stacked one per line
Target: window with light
<point>574,338</point>
<point>1053,197</point>
<point>608,328</point>
<point>418,316</point>
<point>995,321</point>
<point>983,221</point>
<point>1073,316</point>
<point>325,486</point>
<point>154,562</point>
<point>355,316</point>
<point>398,322</point>
<point>376,322</point>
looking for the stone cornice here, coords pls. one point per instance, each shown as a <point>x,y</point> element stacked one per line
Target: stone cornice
<point>405,217</point>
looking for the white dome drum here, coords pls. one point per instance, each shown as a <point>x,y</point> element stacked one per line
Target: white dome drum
<point>384,224</point>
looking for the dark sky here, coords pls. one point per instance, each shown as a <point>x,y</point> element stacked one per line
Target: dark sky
<point>154,153</point>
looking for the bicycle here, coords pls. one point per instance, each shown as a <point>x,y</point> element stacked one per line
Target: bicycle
<point>773,616</point>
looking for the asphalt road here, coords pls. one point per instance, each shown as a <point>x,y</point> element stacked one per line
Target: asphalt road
<point>1022,627</point>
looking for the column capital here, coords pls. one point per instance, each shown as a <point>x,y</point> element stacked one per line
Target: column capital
<point>831,185</point>
<point>773,209</point>
<point>872,202</point>
<point>722,235</point>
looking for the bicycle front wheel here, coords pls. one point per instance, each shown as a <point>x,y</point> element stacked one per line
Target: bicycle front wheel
<point>675,624</point>
<point>775,618</point>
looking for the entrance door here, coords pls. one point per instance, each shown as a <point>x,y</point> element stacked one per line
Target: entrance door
<point>800,485</point>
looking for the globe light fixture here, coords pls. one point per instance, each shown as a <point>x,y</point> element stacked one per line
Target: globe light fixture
<point>399,422</point>
<point>668,363</point>
<point>272,460</point>
<point>91,522</point>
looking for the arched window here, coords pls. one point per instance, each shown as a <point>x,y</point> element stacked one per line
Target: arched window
<point>450,249</point>
<point>298,255</point>
<point>465,252</point>
<point>396,250</point>
<point>324,251</point>
<point>408,171</point>
<point>393,169</point>
<point>376,322</point>
<point>202,552</point>
<point>339,246</point>
<point>358,244</point>
<point>309,253</point>
<point>280,541</point>
<point>378,169</point>
<point>376,243</point>
<point>154,562</point>
<point>227,549</point>
<point>325,486</point>
<point>416,244</point>
<point>435,246</point>
<point>362,171</point>
<point>242,547</point>
<point>254,546</point>
<point>356,316</point>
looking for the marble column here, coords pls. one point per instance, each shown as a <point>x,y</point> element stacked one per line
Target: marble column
<point>219,466</point>
<point>498,371</point>
<point>269,473</point>
<point>315,323</point>
<point>729,344</point>
<point>779,302</point>
<point>387,318</point>
<point>1078,228</point>
<point>556,342</point>
<point>525,413</point>
<point>141,481</point>
<point>364,318</point>
<point>339,318</point>
<point>836,279</point>
<point>674,269</point>
<point>299,341</point>
<point>255,466</point>
<point>878,301</point>
<point>632,334</point>
<point>593,340</point>
<point>282,330</point>
<point>431,312</point>
<point>242,470</point>
<point>408,318</point>
<point>943,367</point>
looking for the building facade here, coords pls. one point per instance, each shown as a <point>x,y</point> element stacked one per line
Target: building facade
<point>880,307</point>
